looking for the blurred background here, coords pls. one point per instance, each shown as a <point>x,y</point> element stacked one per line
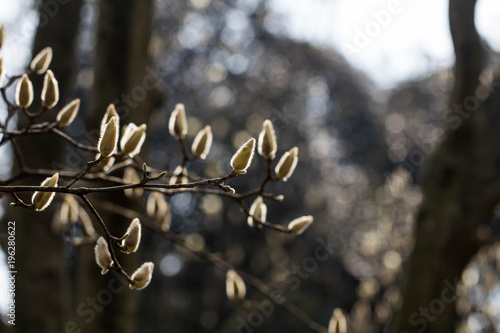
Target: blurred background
<point>361,87</point>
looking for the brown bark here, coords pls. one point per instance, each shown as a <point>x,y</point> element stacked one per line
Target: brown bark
<point>459,189</point>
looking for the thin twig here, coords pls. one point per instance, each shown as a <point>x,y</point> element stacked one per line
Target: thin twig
<point>217,262</point>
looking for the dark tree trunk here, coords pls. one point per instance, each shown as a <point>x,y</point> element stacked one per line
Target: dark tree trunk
<point>122,76</point>
<point>461,187</point>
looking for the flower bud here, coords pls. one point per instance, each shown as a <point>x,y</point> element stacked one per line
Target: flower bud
<point>267,141</point>
<point>258,210</point>
<point>24,92</point>
<point>159,209</point>
<point>130,176</point>
<point>69,210</point>
<point>131,242</point>
<point>102,255</point>
<point>2,35</point>
<point>50,90</point>
<point>41,61</point>
<point>42,200</point>
<point>68,113</point>
<point>202,143</point>
<point>110,113</point>
<point>142,276</point>
<point>300,224</point>
<point>242,159</point>
<point>109,138</point>
<point>338,322</point>
<point>235,287</point>
<point>180,176</point>
<point>177,124</point>
<point>287,164</point>
<point>132,139</point>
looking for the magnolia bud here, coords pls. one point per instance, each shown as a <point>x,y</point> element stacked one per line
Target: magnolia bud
<point>338,322</point>
<point>24,92</point>
<point>68,113</point>
<point>287,164</point>
<point>50,90</point>
<point>68,212</point>
<point>180,176</point>
<point>178,123</point>
<point>142,276</point>
<point>109,138</point>
<point>131,242</point>
<point>130,176</point>
<point>267,141</point>
<point>202,143</point>
<point>159,209</point>
<point>42,200</point>
<point>110,113</point>
<point>243,157</point>
<point>102,255</point>
<point>258,210</point>
<point>41,61</point>
<point>300,224</point>
<point>235,287</point>
<point>2,35</point>
<point>132,139</point>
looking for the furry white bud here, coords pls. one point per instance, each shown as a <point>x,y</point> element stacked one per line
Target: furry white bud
<point>50,90</point>
<point>300,224</point>
<point>42,200</point>
<point>131,242</point>
<point>258,212</point>
<point>177,124</point>
<point>202,143</point>
<point>242,159</point>
<point>132,139</point>
<point>24,92</point>
<point>66,116</point>
<point>287,163</point>
<point>102,255</point>
<point>235,286</point>
<point>142,276</point>
<point>41,61</point>
<point>267,141</point>
<point>109,138</point>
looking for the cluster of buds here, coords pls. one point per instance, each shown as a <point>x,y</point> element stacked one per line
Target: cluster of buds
<point>132,139</point>
<point>267,148</point>
<point>129,243</point>
<point>178,128</point>
<point>50,90</point>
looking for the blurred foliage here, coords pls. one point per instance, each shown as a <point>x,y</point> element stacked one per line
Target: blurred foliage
<point>231,66</point>
<point>221,61</point>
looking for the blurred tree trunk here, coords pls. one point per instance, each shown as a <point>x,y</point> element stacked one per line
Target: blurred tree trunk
<point>42,283</point>
<point>122,76</point>
<point>461,188</point>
